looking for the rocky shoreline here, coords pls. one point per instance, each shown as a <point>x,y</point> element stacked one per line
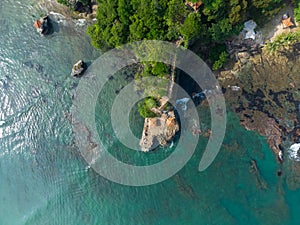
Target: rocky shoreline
<point>70,10</point>
<point>267,99</point>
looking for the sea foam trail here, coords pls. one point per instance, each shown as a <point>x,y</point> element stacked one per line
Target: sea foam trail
<point>57,14</point>
<point>182,102</point>
<point>59,18</point>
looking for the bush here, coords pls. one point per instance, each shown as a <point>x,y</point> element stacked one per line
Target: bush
<point>283,42</point>
<point>145,106</point>
<point>297,10</point>
<point>218,56</point>
<point>63,2</point>
<point>221,61</point>
<point>160,69</point>
<point>191,28</point>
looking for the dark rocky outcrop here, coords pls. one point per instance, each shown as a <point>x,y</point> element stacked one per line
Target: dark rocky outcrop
<point>81,8</point>
<point>43,25</point>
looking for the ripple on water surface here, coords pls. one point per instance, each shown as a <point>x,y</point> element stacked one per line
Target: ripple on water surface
<point>37,158</point>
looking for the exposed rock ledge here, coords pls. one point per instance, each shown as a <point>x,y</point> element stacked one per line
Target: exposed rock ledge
<point>159,130</point>
<point>267,127</point>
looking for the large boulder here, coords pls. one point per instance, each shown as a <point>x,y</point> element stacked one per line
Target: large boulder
<point>42,25</point>
<point>78,68</point>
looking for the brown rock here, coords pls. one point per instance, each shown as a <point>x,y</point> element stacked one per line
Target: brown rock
<point>158,130</point>
<point>265,126</point>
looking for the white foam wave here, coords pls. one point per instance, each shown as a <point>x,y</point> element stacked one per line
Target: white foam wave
<point>57,15</point>
<point>294,152</point>
<point>80,22</point>
<point>182,102</point>
<point>59,18</point>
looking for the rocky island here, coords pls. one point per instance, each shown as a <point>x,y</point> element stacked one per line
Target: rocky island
<point>159,130</point>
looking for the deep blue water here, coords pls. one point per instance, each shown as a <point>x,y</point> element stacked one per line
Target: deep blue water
<point>45,180</point>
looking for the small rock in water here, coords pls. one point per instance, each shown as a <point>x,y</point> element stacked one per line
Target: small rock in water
<point>5,84</point>
<point>39,68</point>
<point>28,64</point>
<point>35,92</point>
<point>78,68</point>
<point>44,100</point>
<point>42,25</point>
<point>73,85</point>
<point>280,156</point>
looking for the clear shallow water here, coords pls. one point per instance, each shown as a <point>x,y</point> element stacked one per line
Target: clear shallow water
<point>44,180</point>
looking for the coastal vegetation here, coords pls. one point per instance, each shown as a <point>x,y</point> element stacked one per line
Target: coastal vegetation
<point>218,56</point>
<point>187,23</point>
<point>123,21</point>
<point>145,105</point>
<point>284,43</point>
<point>297,9</point>
<point>144,83</point>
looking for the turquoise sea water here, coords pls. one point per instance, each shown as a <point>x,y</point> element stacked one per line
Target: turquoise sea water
<point>44,179</point>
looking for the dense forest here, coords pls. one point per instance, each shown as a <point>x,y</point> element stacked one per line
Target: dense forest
<point>123,21</point>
